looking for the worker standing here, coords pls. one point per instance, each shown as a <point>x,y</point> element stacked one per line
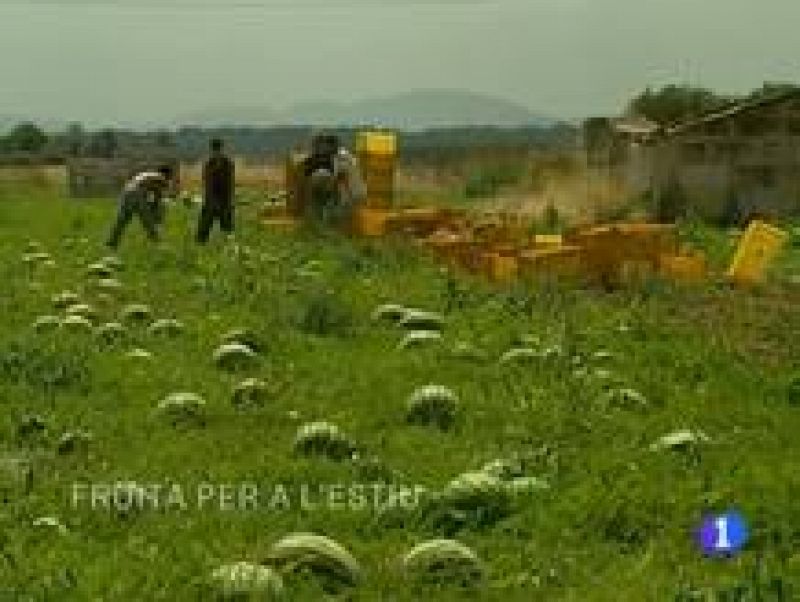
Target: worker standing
<point>218,188</point>
<point>142,196</point>
<point>352,189</point>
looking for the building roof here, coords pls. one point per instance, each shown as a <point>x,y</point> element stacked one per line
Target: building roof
<point>634,126</point>
<point>733,110</point>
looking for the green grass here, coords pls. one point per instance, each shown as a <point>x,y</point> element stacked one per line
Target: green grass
<point>616,523</point>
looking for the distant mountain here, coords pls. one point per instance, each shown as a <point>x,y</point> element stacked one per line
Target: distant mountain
<point>415,110</point>
<point>410,111</point>
<point>253,116</point>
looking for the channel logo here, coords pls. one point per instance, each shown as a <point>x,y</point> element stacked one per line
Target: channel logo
<point>723,534</point>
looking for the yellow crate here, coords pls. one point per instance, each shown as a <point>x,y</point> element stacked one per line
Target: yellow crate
<point>498,267</point>
<point>566,260</point>
<point>376,143</point>
<point>417,221</point>
<point>378,171</point>
<point>504,268</point>
<point>611,250</point>
<point>635,271</point>
<point>379,201</point>
<point>369,221</point>
<point>757,249</point>
<point>683,268</point>
<point>548,240</point>
<point>380,188</point>
<point>377,163</point>
<point>448,246</point>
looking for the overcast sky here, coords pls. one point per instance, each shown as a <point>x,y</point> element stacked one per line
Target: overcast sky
<point>116,61</point>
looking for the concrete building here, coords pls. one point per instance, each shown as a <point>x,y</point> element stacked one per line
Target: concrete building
<point>619,148</point>
<point>743,160</point>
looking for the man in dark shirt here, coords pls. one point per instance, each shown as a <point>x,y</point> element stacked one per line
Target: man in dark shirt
<point>218,185</point>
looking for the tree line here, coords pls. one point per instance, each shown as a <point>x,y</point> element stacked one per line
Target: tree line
<point>27,140</point>
<point>669,104</point>
<point>675,103</point>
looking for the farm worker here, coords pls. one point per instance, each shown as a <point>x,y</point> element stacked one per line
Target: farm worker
<point>142,196</point>
<point>352,189</point>
<point>335,183</point>
<point>218,188</point>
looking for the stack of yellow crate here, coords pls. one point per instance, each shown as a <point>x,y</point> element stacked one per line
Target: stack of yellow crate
<point>611,251</point>
<point>563,261</point>
<point>417,221</point>
<point>377,152</point>
<point>500,267</point>
<point>684,268</point>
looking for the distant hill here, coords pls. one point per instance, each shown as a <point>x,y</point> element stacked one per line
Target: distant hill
<point>415,110</point>
<point>249,116</point>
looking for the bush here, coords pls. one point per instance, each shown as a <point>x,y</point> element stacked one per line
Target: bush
<point>325,315</point>
<point>56,367</point>
<point>488,181</point>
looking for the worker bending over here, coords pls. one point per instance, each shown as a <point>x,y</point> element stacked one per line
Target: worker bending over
<point>142,196</point>
<point>334,182</point>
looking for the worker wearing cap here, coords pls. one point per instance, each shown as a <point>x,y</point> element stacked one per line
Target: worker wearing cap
<point>142,196</point>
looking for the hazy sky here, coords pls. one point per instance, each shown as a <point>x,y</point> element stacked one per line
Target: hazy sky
<point>133,60</point>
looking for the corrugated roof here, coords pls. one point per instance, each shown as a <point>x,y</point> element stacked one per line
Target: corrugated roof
<point>635,125</point>
<point>731,111</point>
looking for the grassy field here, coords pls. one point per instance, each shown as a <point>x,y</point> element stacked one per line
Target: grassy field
<point>615,372</point>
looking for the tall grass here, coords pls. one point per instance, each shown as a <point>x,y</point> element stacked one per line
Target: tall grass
<point>616,523</point>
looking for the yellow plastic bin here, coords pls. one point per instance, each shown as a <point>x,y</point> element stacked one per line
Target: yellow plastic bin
<point>757,249</point>
<point>564,261</point>
<point>683,268</point>
<point>548,240</point>
<point>371,222</point>
<point>376,143</point>
<point>498,267</point>
<point>377,157</point>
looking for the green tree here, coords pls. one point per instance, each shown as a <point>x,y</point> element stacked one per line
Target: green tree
<point>104,144</point>
<point>675,103</point>
<point>164,139</point>
<point>26,137</point>
<point>774,89</point>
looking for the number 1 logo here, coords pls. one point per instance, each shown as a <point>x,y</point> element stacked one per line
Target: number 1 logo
<point>723,535</point>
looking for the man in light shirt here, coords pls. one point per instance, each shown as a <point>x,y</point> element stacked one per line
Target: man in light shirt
<point>335,184</point>
<point>142,196</point>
